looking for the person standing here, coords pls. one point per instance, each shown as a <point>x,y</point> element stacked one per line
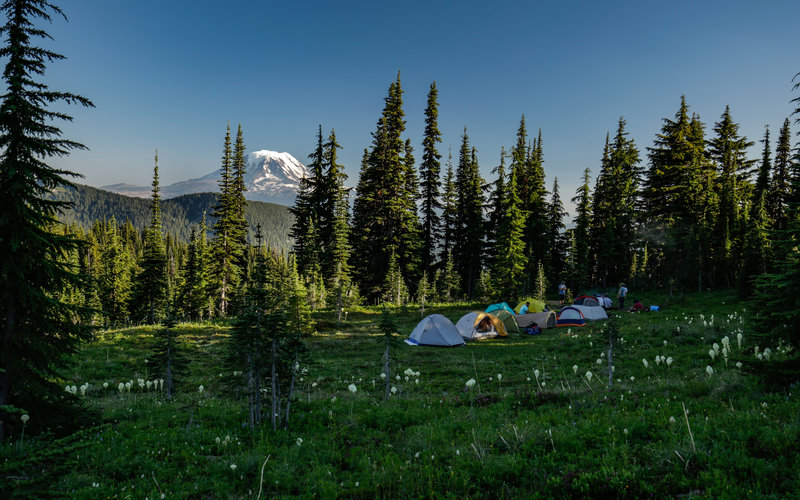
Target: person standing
<point>623,292</point>
<point>562,292</point>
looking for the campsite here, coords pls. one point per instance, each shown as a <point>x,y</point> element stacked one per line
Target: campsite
<point>539,419</point>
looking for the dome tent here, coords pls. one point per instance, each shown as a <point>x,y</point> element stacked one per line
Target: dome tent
<point>480,325</point>
<point>571,316</point>
<point>435,330</point>
<point>509,321</point>
<point>536,306</point>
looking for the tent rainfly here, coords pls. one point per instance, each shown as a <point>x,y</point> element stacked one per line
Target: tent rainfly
<point>570,316</point>
<point>509,320</point>
<point>435,330</point>
<point>592,313</point>
<point>546,319</point>
<point>536,306</point>
<point>500,305</point>
<point>585,300</point>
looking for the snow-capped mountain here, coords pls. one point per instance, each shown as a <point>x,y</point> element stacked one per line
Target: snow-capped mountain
<point>271,176</point>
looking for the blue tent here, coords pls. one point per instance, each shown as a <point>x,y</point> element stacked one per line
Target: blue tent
<point>501,305</point>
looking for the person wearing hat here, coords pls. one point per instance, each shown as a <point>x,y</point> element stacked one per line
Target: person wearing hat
<point>623,292</point>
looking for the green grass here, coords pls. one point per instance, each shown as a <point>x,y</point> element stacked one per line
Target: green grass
<point>563,436</point>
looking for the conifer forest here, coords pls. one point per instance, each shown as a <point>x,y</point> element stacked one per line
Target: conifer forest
<point>244,320</point>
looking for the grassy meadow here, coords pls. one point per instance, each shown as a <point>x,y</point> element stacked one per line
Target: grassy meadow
<point>541,419</point>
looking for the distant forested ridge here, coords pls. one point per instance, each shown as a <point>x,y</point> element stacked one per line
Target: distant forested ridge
<point>179,214</point>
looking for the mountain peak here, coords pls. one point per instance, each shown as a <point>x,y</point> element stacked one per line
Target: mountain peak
<point>271,176</point>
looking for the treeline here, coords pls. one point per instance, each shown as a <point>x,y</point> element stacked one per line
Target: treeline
<point>692,211</point>
<point>146,274</point>
<point>178,215</point>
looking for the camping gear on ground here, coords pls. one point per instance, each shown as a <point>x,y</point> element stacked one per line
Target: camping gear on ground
<point>435,330</point>
<point>585,300</point>
<point>509,320</point>
<point>536,306</point>
<point>500,305</point>
<point>480,325</point>
<point>592,313</point>
<point>545,319</point>
<point>654,308</point>
<point>571,316</point>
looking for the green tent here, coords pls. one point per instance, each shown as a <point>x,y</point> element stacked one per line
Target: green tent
<point>509,320</point>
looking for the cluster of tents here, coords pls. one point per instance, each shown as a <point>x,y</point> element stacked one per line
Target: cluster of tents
<point>498,320</point>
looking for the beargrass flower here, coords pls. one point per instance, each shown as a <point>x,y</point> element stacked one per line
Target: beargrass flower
<point>709,370</point>
<point>669,361</point>
<point>712,353</point>
<point>121,387</point>
<point>83,389</point>
<point>589,375</point>
<point>499,377</point>
<point>394,390</point>
<point>105,385</point>
<point>672,420</point>
<point>645,363</point>
<point>471,383</point>
<point>299,441</point>
<point>739,364</point>
<point>739,339</point>
<point>201,388</point>
<point>233,467</point>
<point>755,350</point>
<point>383,375</point>
<point>536,374</point>
<point>128,385</point>
<point>24,419</point>
<point>767,353</point>
<point>575,369</point>
<point>352,388</point>
<point>599,361</point>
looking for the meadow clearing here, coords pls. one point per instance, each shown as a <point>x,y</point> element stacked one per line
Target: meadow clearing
<point>686,413</point>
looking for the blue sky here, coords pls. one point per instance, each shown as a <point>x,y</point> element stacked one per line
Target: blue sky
<point>171,74</point>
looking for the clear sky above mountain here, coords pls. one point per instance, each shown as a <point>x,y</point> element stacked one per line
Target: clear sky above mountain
<point>171,74</point>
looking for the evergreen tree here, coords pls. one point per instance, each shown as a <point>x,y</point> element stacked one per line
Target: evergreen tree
<point>114,281</point>
<point>381,207</point>
<point>448,212</point>
<point>229,241</point>
<point>555,237</point>
<point>411,239</point>
<point>583,220</point>
<point>511,260</point>
<point>169,358</point>
<point>31,264</point>
<point>430,172</point>
<point>729,151</point>
<point>779,190</point>
<point>152,292</point>
<point>678,198</point>
<point>469,228</point>
<point>343,293</point>
<point>306,211</point>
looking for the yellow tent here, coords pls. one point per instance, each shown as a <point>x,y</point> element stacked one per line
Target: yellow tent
<point>536,306</point>
<point>480,325</point>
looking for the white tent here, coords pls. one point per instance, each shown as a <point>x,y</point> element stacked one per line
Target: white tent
<point>592,313</point>
<point>435,330</point>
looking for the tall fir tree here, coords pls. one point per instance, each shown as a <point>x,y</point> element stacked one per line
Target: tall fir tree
<point>729,152</point>
<point>448,212</point>
<point>381,206</point>
<point>583,220</point>
<point>469,234</point>
<point>150,301</point>
<point>230,226</point>
<point>511,260</point>
<point>430,182</point>
<point>556,238</point>
<point>780,187</point>
<point>306,210</point>
<point>31,253</point>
